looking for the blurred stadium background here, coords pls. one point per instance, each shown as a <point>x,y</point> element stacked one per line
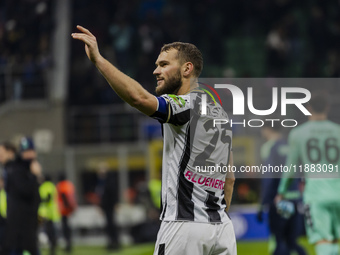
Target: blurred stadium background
<point>50,91</point>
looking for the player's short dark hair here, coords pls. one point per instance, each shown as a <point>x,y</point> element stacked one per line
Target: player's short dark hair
<point>9,147</point>
<point>319,101</point>
<point>187,52</point>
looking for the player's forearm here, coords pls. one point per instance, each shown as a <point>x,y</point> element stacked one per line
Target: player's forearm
<point>229,183</point>
<point>228,191</point>
<point>126,88</point>
<point>284,185</point>
<point>286,178</point>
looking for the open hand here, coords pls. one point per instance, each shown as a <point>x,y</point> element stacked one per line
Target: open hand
<point>91,45</point>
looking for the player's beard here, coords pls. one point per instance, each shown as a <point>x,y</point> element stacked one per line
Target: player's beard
<point>171,86</point>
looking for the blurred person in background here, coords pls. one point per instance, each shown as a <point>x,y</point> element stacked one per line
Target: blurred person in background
<point>148,194</point>
<point>67,205</point>
<point>3,214</point>
<point>49,211</point>
<point>194,217</point>
<point>29,154</point>
<point>106,187</point>
<point>315,144</point>
<point>284,230</point>
<point>22,189</point>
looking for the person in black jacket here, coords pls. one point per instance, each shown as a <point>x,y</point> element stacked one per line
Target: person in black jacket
<point>285,229</point>
<point>106,190</point>
<point>22,188</point>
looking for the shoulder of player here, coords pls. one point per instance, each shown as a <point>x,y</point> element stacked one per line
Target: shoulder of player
<point>333,124</point>
<point>21,163</point>
<point>336,127</point>
<point>173,96</point>
<point>298,130</point>
<point>280,142</point>
<point>182,101</point>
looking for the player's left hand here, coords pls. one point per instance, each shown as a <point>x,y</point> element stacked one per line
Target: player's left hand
<point>91,45</point>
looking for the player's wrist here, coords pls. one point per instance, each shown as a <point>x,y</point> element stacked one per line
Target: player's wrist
<point>98,59</point>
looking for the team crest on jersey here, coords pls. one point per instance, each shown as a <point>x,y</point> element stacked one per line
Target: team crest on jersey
<point>178,100</point>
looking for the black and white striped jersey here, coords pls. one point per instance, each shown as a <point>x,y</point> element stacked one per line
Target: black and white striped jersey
<point>192,145</point>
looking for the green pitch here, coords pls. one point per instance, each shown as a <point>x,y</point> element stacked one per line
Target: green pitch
<point>243,248</point>
<point>144,249</point>
<point>261,248</point>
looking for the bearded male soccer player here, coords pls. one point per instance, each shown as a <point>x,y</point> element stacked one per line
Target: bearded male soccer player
<point>315,144</point>
<point>194,218</point>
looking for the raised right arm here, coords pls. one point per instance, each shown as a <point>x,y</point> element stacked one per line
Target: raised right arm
<point>127,88</point>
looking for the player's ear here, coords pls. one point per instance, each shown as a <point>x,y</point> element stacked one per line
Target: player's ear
<point>187,69</point>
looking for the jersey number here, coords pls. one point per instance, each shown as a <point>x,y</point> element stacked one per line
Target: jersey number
<point>208,150</point>
<point>330,147</point>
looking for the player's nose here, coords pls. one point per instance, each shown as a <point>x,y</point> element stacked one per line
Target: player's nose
<point>156,71</point>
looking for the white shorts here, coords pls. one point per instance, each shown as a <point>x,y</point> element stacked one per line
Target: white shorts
<point>194,238</point>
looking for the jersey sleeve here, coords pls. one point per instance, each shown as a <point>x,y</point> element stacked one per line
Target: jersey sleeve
<point>173,109</point>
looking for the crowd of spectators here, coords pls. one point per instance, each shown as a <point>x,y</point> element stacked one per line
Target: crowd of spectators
<point>26,27</point>
<point>300,38</point>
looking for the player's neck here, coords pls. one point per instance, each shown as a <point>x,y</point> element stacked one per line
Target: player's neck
<point>318,117</point>
<point>275,136</point>
<point>187,86</point>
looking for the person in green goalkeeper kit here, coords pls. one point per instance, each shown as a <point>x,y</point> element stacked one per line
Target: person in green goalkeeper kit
<point>315,146</point>
<point>49,211</point>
